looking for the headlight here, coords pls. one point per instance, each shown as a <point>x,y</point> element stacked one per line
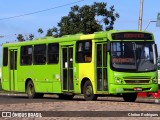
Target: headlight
<point>118,80</point>
<point>154,80</point>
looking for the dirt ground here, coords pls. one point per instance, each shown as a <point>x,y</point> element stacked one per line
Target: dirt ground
<point>95,108</point>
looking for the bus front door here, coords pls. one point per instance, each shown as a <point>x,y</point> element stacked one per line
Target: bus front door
<point>67,69</point>
<point>13,69</point>
<point>101,67</point>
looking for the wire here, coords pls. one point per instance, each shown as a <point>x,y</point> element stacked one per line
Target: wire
<point>40,11</point>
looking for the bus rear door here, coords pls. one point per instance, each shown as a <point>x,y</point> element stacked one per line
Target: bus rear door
<point>67,69</point>
<point>13,69</point>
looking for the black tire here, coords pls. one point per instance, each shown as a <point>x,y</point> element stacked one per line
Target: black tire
<point>130,97</point>
<point>88,91</point>
<point>31,90</point>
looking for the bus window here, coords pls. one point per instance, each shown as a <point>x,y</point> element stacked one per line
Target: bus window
<point>84,51</point>
<point>26,55</point>
<point>53,53</point>
<point>5,56</point>
<point>40,54</point>
<point>99,55</point>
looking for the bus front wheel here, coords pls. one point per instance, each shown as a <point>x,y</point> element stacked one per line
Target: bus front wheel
<point>31,90</point>
<point>130,97</point>
<point>88,91</point>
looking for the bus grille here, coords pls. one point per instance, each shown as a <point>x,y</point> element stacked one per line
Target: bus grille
<point>137,80</point>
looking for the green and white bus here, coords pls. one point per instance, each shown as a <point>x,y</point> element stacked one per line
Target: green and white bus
<point>104,63</point>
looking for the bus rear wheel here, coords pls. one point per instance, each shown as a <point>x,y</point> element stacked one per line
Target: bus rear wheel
<point>130,97</point>
<point>31,90</point>
<point>88,91</point>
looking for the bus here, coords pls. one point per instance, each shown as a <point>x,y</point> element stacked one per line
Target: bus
<point>155,95</point>
<point>104,63</point>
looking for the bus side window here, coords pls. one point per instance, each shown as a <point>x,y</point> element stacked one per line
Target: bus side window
<point>40,54</point>
<point>84,51</point>
<point>53,53</point>
<point>5,56</point>
<point>26,55</point>
<point>88,58</point>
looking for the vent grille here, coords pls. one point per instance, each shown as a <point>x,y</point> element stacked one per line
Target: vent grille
<point>137,80</point>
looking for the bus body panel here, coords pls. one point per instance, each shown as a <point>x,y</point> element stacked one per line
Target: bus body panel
<point>48,78</point>
<point>129,81</point>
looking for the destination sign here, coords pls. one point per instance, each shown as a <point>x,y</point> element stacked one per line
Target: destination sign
<point>131,36</point>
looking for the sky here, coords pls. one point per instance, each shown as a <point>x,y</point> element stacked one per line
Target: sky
<point>29,24</point>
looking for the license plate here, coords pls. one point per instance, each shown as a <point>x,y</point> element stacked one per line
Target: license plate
<point>137,89</point>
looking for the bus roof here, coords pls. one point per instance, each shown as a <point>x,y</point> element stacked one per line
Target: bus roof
<point>75,37</point>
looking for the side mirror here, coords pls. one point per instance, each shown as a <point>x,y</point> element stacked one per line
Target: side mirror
<point>155,53</point>
<point>156,50</point>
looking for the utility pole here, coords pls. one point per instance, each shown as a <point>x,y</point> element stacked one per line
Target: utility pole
<point>140,15</point>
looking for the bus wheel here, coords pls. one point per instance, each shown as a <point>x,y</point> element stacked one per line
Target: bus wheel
<point>130,97</point>
<point>31,90</point>
<point>88,91</point>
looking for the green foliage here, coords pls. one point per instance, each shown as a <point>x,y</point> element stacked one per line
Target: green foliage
<point>53,32</point>
<point>87,19</point>
<point>49,32</point>
<point>20,38</point>
<point>31,36</point>
<point>40,30</point>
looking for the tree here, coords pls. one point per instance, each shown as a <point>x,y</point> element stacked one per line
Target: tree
<point>40,31</point>
<point>31,36</point>
<point>87,19</point>
<point>55,31</point>
<point>20,38</point>
<point>49,32</point>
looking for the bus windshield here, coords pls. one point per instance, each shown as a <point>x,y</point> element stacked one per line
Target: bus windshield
<point>133,56</point>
